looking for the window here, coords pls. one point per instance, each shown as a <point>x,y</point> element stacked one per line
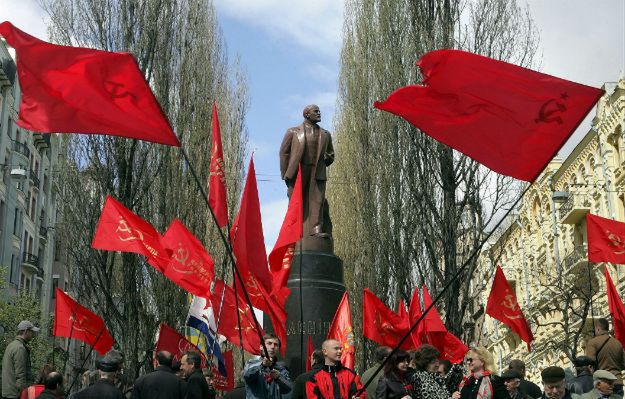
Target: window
<point>6,171</point>
<point>55,285</point>
<point>2,216</point>
<point>12,269</point>
<point>16,222</point>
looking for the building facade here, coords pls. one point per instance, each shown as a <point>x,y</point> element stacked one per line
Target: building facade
<point>542,247</point>
<point>28,197</point>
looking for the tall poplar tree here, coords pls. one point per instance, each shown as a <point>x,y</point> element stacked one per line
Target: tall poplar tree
<point>417,207</point>
<point>180,49</point>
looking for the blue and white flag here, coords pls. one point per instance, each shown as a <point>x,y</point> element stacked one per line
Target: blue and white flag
<point>201,318</point>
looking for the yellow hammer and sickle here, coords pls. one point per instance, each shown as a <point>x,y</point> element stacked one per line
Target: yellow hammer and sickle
<point>123,227</point>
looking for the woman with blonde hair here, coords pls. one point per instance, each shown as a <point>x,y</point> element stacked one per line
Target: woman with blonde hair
<point>482,383</point>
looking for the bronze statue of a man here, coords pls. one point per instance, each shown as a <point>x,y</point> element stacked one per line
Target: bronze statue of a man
<point>310,146</point>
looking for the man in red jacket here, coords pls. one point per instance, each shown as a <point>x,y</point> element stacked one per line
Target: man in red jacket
<point>333,381</point>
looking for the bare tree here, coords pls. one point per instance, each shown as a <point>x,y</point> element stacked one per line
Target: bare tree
<point>179,48</point>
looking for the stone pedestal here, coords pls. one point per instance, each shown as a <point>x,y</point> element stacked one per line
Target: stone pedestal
<point>322,288</point>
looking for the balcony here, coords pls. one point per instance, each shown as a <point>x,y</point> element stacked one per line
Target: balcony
<point>575,208</point>
<point>41,141</point>
<point>7,70</point>
<point>31,263</point>
<point>43,232</point>
<point>33,177</point>
<point>572,260</point>
<point>20,148</point>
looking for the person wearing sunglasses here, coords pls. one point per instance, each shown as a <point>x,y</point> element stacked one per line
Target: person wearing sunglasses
<point>482,383</point>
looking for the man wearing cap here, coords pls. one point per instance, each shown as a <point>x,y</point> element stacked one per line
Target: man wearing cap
<point>582,382</point>
<point>16,369</point>
<point>104,388</point>
<point>553,383</point>
<point>603,386</point>
<point>525,386</point>
<point>512,380</point>
<point>607,352</point>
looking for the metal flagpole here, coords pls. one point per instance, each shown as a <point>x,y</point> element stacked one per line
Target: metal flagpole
<point>301,311</point>
<point>85,361</point>
<point>592,311</point>
<point>71,330</point>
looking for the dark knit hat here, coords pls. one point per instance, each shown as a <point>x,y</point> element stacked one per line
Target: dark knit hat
<point>552,374</point>
<point>111,361</point>
<point>582,361</point>
<point>510,374</point>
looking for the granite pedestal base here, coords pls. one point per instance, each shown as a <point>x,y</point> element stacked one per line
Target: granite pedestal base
<point>322,287</point>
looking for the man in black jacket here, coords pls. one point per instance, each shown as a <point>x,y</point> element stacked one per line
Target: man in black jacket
<point>162,383</point>
<point>527,387</point>
<point>299,387</point>
<point>53,383</point>
<point>104,388</point>
<point>197,388</point>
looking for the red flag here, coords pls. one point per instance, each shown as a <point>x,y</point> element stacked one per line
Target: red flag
<point>228,325</point>
<point>225,383</point>
<point>606,239</point>
<point>379,323</point>
<point>72,320</point>
<point>617,310</point>
<point>171,341</point>
<point>217,198</point>
<point>403,314</point>
<point>511,119</point>
<point>503,306</point>
<point>414,312</point>
<point>310,351</point>
<point>435,333</point>
<point>248,242</point>
<point>341,329</point>
<point>432,323</point>
<point>190,266</point>
<point>281,256</point>
<point>121,230</point>
<point>248,245</point>
<point>81,90</point>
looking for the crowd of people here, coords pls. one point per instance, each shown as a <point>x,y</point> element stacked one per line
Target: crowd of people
<point>418,374</point>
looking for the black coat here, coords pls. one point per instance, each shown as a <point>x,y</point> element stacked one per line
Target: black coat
<point>102,389</point>
<point>197,388</point>
<point>299,385</point>
<point>47,394</point>
<point>470,388</point>
<point>162,383</point>
<point>581,384</point>
<point>236,393</point>
<point>390,387</point>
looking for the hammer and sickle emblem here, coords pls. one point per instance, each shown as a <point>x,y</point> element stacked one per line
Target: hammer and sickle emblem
<point>616,242</point>
<point>510,303</point>
<point>181,256</point>
<point>549,109</point>
<point>123,227</point>
<point>184,346</point>
<point>77,323</point>
<point>252,284</point>
<point>117,90</point>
